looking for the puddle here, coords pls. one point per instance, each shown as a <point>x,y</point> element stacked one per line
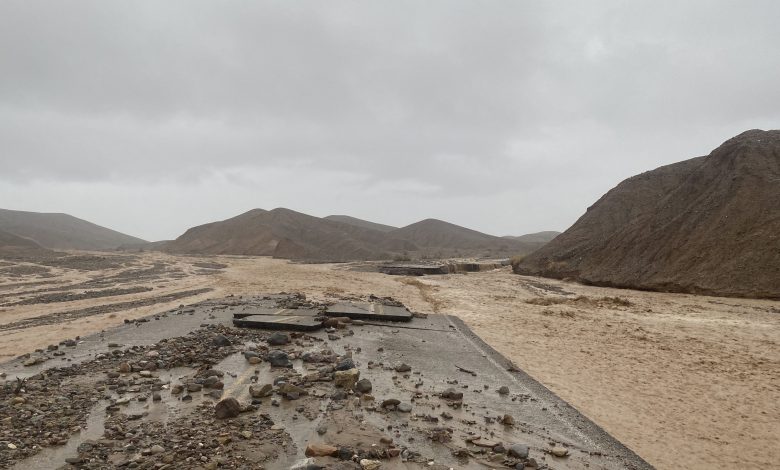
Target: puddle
<point>54,457</point>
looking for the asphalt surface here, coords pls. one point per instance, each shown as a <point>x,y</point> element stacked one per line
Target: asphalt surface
<point>442,353</point>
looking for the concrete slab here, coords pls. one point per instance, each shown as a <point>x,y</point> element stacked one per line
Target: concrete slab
<point>279,322</point>
<point>283,312</point>
<point>369,311</point>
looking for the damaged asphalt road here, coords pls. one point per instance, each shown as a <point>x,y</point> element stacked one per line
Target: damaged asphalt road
<point>187,389</point>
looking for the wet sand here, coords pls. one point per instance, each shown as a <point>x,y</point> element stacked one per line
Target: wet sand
<point>684,381</point>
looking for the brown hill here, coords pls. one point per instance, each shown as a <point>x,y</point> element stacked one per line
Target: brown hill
<point>707,225</point>
<point>538,237</point>
<point>361,223</point>
<point>12,246</point>
<point>62,231</point>
<point>283,233</point>
<point>443,239</point>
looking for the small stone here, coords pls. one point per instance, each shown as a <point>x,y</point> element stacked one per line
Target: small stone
<point>145,373</point>
<point>402,367</point>
<point>124,368</point>
<point>346,378</point>
<point>152,353</point>
<point>254,360</point>
<point>227,408</point>
<point>246,434</point>
<point>321,450</point>
<point>559,451</point>
<point>257,391</point>
<point>519,451</point>
<point>363,386</point>
<point>504,390</point>
<point>452,394</point>
<point>390,402</point>
<point>157,449</point>
<point>345,364</point>
<point>177,389</point>
<point>278,339</point>
<point>508,420</point>
<point>279,358</point>
<point>322,429</point>
<point>221,341</point>
<point>366,464</point>
<point>404,407</point>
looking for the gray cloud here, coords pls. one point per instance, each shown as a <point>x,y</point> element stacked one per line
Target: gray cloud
<point>503,116</point>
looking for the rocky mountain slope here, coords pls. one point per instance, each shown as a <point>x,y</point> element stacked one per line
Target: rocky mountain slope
<point>13,245</point>
<point>707,225</point>
<point>62,231</point>
<point>361,223</point>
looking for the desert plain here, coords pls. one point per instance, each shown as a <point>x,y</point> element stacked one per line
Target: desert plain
<point>684,381</point>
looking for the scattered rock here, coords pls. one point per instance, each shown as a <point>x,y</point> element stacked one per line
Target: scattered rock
<point>452,394</point>
<point>363,386</point>
<point>227,408</point>
<point>559,451</point>
<point>366,464</point>
<point>321,450</point>
<point>258,391</point>
<point>221,341</point>
<point>279,358</point>
<point>504,390</point>
<point>390,403</point>
<point>404,407</point>
<point>519,451</point>
<point>346,378</point>
<point>402,367</point>
<point>278,339</point>
<point>345,364</point>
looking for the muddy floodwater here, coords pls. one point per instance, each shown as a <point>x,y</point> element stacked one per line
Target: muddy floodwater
<point>684,381</point>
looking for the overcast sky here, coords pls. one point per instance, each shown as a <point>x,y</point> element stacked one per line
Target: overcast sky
<point>507,117</point>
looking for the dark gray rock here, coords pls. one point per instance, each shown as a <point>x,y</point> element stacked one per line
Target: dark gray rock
<point>519,451</point>
<point>279,358</point>
<point>278,339</point>
<point>363,386</point>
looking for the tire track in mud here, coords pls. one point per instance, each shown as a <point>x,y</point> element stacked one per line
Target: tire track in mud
<point>60,317</point>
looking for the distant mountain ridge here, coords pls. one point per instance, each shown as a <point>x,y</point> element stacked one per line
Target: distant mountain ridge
<point>284,233</point>
<point>708,225</point>
<point>62,231</point>
<point>538,237</point>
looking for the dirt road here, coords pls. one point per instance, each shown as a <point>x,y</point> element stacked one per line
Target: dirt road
<point>685,381</point>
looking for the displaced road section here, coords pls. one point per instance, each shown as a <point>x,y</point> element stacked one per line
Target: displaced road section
<point>188,389</point>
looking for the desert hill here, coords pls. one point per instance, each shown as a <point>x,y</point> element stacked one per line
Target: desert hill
<point>361,223</point>
<point>284,233</point>
<point>443,239</point>
<point>538,237</point>
<point>62,231</point>
<point>706,225</point>
<point>13,245</point>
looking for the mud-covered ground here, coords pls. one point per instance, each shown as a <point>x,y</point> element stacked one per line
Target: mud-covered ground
<point>685,381</point>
